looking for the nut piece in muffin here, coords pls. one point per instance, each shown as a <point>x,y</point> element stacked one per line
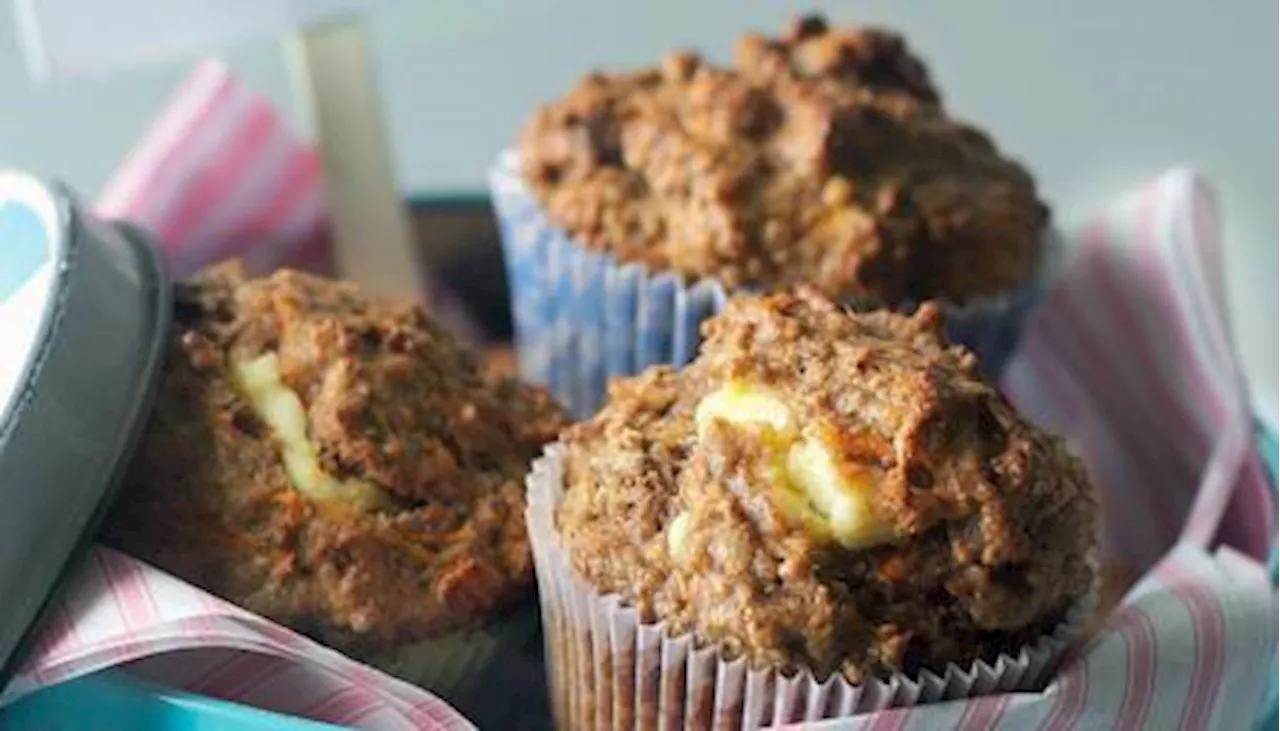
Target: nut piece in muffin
<point>337,463</point>
<point>829,491</point>
<point>823,157</point>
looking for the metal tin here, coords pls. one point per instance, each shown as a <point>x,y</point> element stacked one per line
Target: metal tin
<point>84,307</point>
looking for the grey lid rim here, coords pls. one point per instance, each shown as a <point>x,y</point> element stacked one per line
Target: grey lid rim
<point>57,213</point>
<point>144,383</point>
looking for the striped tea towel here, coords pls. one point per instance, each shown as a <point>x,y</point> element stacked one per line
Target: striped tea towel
<point>1130,356</point>
<point>117,611</point>
<point>220,174</point>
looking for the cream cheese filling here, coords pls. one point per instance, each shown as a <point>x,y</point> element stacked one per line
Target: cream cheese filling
<point>282,411</point>
<point>808,478</point>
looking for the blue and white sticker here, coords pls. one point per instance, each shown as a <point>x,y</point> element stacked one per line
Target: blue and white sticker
<point>27,268</point>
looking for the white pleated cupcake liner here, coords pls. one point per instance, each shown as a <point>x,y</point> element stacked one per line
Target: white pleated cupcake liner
<point>581,317</point>
<point>608,669</point>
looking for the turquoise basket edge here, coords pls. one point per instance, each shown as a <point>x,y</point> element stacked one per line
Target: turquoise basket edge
<point>1269,715</point>
<point>112,699</point>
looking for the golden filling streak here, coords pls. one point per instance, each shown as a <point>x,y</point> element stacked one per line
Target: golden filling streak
<point>808,479</point>
<point>282,411</point>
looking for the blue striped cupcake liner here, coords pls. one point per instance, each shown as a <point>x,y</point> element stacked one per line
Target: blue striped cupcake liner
<point>582,317</point>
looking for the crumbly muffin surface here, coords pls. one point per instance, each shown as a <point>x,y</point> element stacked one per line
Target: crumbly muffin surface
<point>866,506</point>
<point>870,58</point>
<point>822,157</point>
<point>412,523</point>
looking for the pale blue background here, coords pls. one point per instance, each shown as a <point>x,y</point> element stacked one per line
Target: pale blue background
<point>1095,95</point>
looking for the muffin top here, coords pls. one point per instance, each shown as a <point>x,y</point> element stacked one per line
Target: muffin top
<point>822,157</point>
<point>338,463</point>
<point>831,491</point>
<point>869,58</point>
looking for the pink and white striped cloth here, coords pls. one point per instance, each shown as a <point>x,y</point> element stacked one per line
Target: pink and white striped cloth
<point>1130,356</point>
<point>117,611</point>
<point>220,174</point>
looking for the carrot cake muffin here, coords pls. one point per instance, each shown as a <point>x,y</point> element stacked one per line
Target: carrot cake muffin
<point>828,492</point>
<point>633,207</point>
<point>821,157</point>
<point>337,463</point>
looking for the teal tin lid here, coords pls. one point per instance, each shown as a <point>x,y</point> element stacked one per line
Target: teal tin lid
<point>84,307</point>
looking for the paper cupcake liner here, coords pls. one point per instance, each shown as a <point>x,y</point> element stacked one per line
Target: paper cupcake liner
<point>608,669</point>
<point>581,317</point>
